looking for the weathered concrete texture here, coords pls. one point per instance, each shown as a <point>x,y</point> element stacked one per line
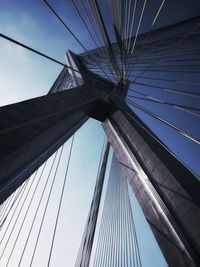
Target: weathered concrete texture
<point>169,209</point>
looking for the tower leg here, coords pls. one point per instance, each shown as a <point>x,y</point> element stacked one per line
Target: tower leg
<point>172,214</point>
<point>31,131</point>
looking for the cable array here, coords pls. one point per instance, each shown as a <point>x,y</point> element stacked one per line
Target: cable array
<point>161,69</point>
<point>159,65</point>
<point>21,212</point>
<point>117,243</point>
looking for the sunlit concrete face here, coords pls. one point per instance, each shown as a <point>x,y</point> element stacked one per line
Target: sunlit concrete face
<point>166,205</point>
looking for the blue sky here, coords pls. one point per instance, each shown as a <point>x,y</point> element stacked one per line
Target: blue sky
<point>24,75</point>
